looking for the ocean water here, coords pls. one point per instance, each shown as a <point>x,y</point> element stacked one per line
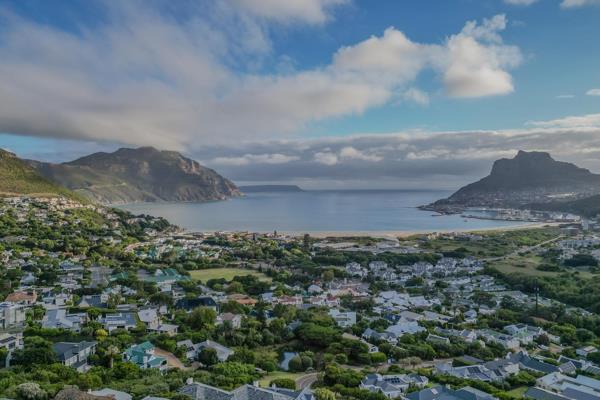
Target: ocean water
<point>316,211</point>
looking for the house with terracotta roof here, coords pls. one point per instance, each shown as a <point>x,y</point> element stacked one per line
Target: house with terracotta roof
<point>26,298</point>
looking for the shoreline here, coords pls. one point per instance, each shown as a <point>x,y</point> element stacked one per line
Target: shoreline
<point>386,234</point>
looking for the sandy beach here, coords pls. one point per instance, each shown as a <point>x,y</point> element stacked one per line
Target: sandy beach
<point>404,234</point>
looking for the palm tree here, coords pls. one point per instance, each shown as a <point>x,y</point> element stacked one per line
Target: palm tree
<point>111,352</point>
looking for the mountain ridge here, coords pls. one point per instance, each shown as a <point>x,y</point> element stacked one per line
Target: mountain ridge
<point>17,177</point>
<point>528,178</point>
<point>144,174</point>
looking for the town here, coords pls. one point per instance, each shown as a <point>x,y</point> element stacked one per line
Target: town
<point>102,304</point>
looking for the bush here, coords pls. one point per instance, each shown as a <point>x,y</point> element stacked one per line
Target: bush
<point>285,383</point>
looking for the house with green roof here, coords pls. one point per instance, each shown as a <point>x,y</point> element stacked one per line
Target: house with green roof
<point>143,356</point>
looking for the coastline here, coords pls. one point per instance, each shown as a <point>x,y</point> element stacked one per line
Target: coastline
<point>389,234</point>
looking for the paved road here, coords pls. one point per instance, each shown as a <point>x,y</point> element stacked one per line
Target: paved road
<point>307,380</point>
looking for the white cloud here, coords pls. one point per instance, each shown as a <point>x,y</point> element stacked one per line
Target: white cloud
<point>143,77</point>
<point>475,69</point>
<point>247,159</point>
<point>308,11</point>
<point>578,3</point>
<point>579,121</point>
<point>520,2</point>
<point>350,153</point>
<point>326,158</point>
<point>415,159</point>
<point>416,95</point>
<point>593,92</point>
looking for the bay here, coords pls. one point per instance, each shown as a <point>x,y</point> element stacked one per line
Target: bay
<point>317,211</point>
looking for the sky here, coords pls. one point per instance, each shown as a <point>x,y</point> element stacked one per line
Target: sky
<point>321,93</point>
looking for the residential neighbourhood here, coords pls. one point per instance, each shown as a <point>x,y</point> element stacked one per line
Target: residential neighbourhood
<point>232,315</point>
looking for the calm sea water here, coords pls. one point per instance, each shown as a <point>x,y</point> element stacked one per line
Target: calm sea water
<point>315,211</point>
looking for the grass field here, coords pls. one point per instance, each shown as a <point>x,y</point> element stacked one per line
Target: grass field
<point>265,380</point>
<point>518,392</point>
<point>204,275</point>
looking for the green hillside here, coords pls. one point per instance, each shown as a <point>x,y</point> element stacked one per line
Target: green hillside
<point>17,177</point>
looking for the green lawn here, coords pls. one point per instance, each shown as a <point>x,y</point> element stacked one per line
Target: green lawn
<point>204,275</point>
<point>266,380</point>
<point>518,392</point>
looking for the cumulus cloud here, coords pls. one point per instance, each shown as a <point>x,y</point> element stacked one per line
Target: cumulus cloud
<point>578,3</point>
<point>593,92</point>
<point>143,76</point>
<point>475,69</point>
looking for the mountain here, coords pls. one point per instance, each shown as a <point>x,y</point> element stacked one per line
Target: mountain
<point>529,177</point>
<point>270,188</point>
<point>138,175</point>
<point>588,207</point>
<point>17,177</point>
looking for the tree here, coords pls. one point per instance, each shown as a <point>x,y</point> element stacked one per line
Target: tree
<point>36,350</point>
<point>295,364</point>
<point>111,353</point>
<point>202,317</point>
<point>31,391</point>
<point>285,383</point>
<point>324,394</point>
<point>208,356</point>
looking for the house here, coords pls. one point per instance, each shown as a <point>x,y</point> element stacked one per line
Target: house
<point>201,301</point>
<point>223,352</point>
<point>500,338</point>
<point>149,317</point>
<point>143,356</point>
<point>123,320</point>
<point>580,387</point>
<point>200,391</point>
<point>314,289</point>
<point>167,329</point>
<point>492,371</point>
<point>114,394</point>
<point>524,333</point>
<point>437,339</point>
<point>392,386</point>
<point>10,342</point>
<point>94,300</point>
<point>356,270</point>
<point>74,354</point>
<point>446,393</point>
<point>404,327</point>
<point>343,319</point>
<point>242,299</point>
<point>12,315</point>
<point>26,298</point>
<point>59,319</point>
<point>586,351</point>
<point>190,349</point>
<point>528,363</point>
<point>379,336</point>
<point>235,320</point>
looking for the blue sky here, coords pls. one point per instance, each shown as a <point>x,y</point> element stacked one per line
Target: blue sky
<point>238,83</point>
